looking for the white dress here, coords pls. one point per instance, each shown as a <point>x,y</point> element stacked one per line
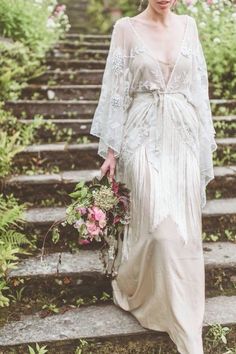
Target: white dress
<point>159,124</point>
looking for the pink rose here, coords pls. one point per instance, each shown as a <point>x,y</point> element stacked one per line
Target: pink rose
<point>99,214</point>
<point>91,216</point>
<point>92,228</point>
<point>96,214</point>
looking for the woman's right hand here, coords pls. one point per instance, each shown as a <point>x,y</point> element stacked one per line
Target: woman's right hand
<point>109,165</point>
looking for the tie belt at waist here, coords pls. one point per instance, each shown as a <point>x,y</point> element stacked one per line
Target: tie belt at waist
<point>159,95</point>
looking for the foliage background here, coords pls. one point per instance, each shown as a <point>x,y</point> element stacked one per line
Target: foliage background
<point>216,21</point>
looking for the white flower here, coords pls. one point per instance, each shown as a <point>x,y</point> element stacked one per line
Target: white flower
<point>51,23</point>
<point>216,40</point>
<point>202,24</point>
<point>193,9</point>
<point>50,8</point>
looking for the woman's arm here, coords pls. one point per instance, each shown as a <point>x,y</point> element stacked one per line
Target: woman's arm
<point>201,101</point>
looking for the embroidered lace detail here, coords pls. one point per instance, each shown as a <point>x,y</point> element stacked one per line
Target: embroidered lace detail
<point>129,69</point>
<point>117,62</point>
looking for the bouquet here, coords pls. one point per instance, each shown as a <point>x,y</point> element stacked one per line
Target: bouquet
<point>99,211</point>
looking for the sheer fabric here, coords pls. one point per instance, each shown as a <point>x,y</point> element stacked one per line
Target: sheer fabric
<point>158,122</point>
<point>131,70</point>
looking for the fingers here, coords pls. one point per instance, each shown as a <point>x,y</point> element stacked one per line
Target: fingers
<point>104,168</point>
<point>108,165</point>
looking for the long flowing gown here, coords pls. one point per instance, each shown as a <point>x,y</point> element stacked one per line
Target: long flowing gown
<point>158,122</point>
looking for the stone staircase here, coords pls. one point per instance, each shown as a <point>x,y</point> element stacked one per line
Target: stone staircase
<point>66,96</point>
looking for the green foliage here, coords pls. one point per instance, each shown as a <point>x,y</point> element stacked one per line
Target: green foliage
<point>217,30</point>
<point>11,217</point>
<point>8,149</point>
<point>217,335</point>
<point>16,64</point>
<point>28,21</point>
<point>83,344</point>
<point>28,29</point>
<point>14,136</point>
<point>38,349</point>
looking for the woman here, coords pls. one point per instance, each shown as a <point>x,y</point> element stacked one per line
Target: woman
<point>157,136</point>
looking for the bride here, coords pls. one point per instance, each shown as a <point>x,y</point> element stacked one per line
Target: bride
<point>156,134</point>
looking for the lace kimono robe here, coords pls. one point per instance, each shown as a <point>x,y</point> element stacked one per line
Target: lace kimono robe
<point>163,138</point>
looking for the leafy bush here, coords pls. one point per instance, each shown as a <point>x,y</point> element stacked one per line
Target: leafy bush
<point>14,136</point>
<point>11,216</point>
<point>216,23</point>
<point>16,64</point>
<point>37,24</point>
<point>28,29</point>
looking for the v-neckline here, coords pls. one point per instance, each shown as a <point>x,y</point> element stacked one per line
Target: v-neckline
<point>165,85</point>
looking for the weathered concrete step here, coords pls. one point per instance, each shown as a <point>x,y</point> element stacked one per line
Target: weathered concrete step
<point>79,54</point>
<point>75,128</point>
<point>69,77</point>
<point>87,37</point>
<point>84,271</point>
<point>81,29</point>
<point>75,64</point>
<point>62,92</point>
<point>53,185</point>
<point>230,118</point>
<point>104,323</point>
<point>70,4</point>
<point>223,183</point>
<point>218,215</point>
<point>60,107</point>
<point>213,208</point>
<point>77,43</point>
<point>32,107</point>
<point>72,122</point>
<point>79,20</point>
<point>64,155</point>
<point>87,262</point>
<point>54,129</point>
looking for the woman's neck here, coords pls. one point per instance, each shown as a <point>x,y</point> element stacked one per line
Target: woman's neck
<point>164,18</point>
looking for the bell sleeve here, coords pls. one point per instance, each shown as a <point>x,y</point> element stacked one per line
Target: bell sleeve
<point>201,101</point>
<point>110,113</point>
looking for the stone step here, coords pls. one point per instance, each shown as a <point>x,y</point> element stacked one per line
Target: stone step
<point>53,130</point>
<point>105,325</point>
<point>32,107</point>
<point>75,128</point>
<point>70,4</point>
<point>78,42</point>
<point>62,155</point>
<point>79,54</point>
<point>69,77</point>
<point>57,186</point>
<point>75,64</point>
<point>92,38</point>
<point>65,155</point>
<point>62,92</point>
<point>85,266</point>
<point>218,216</point>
